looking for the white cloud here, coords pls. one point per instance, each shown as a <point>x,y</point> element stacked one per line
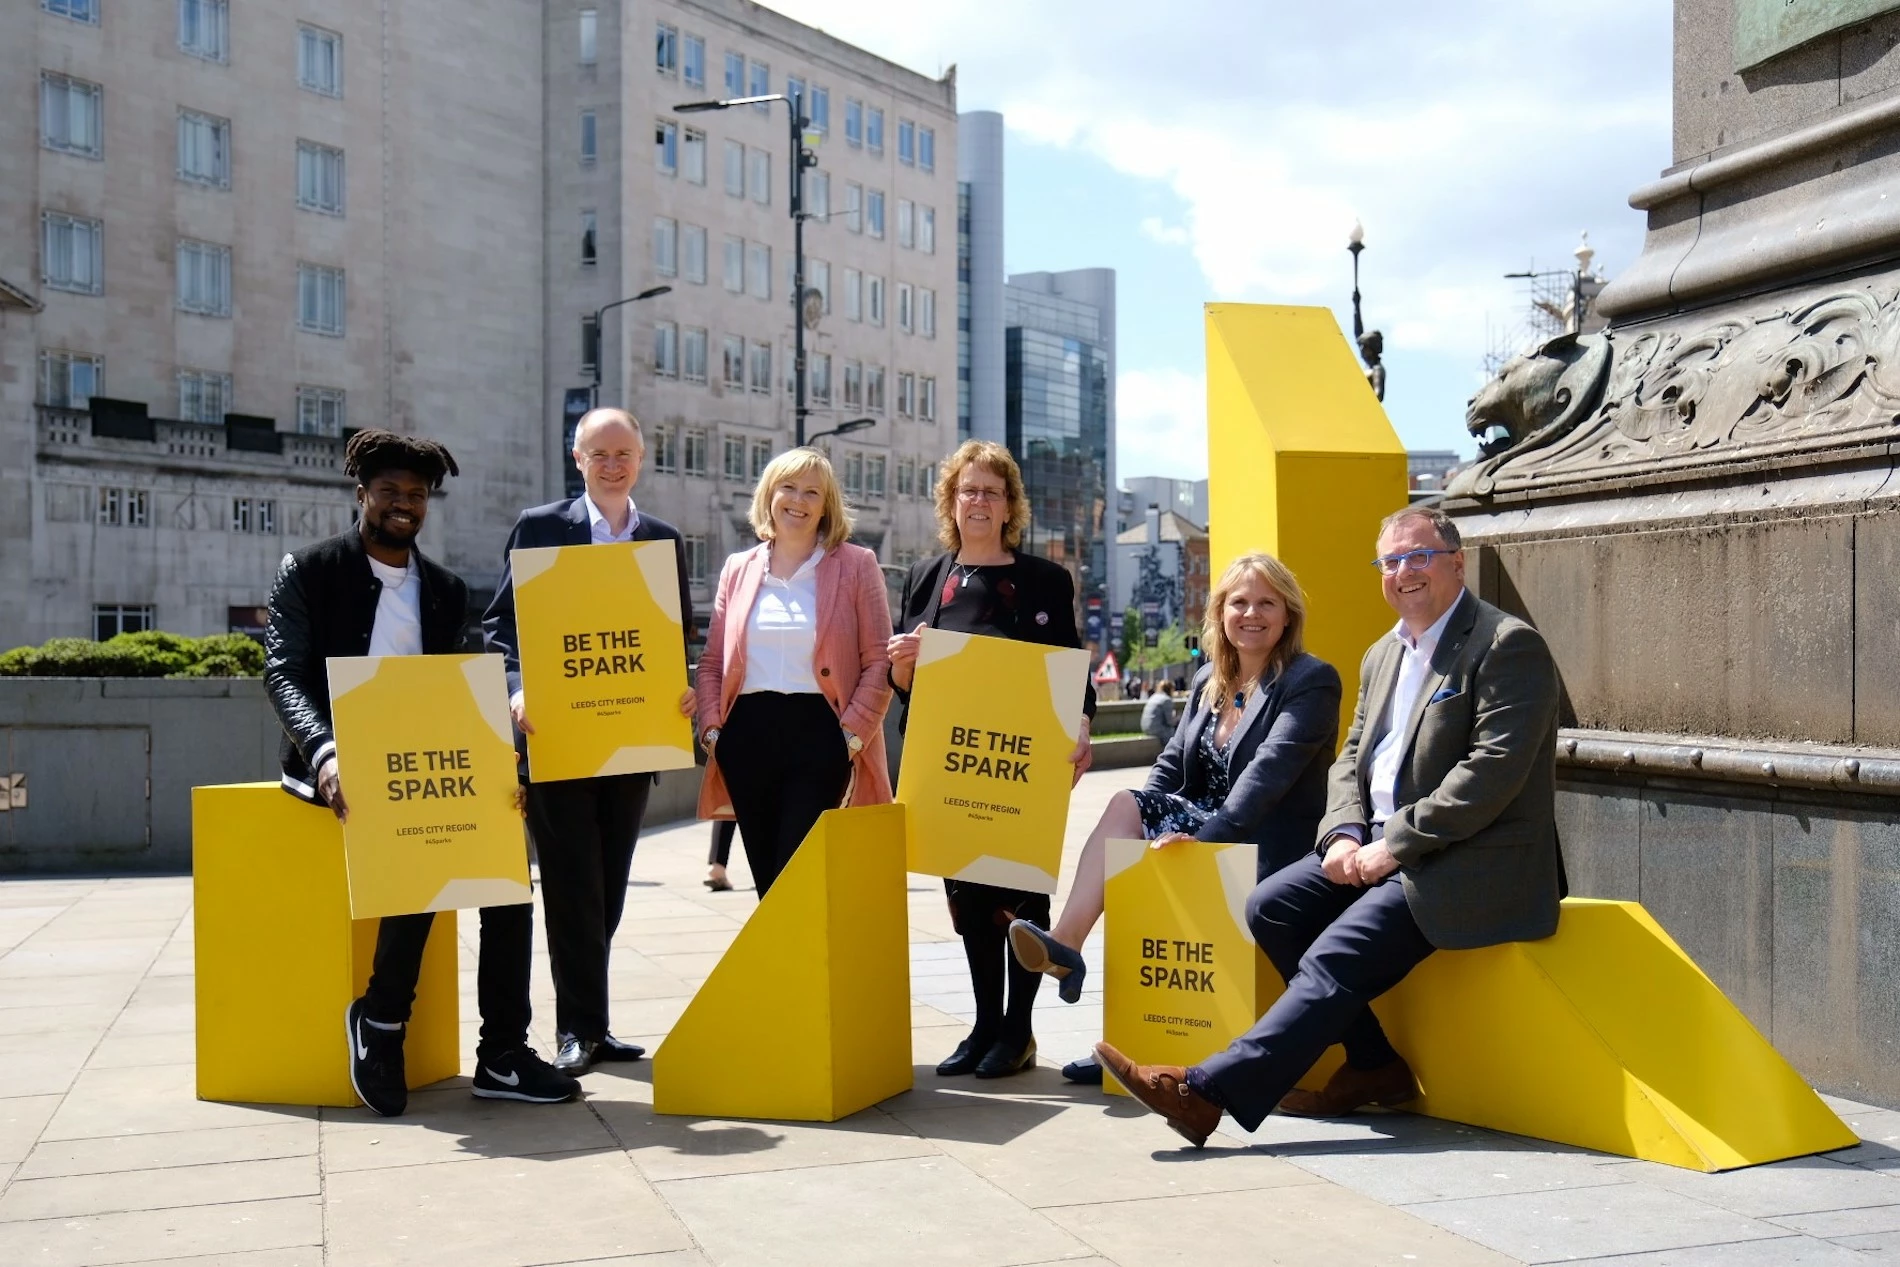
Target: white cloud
<point>1157,230</point>
<point>1160,424</point>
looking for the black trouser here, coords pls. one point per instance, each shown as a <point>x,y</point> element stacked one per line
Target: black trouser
<point>721,852</point>
<point>507,948</point>
<point>584,832</point>
<point>981,914</point>
<point>1338,947</point>
<point>785,762</point>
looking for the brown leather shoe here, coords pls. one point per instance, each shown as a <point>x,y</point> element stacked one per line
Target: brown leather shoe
<point>1349,1090</point>
<point>1164,1089</point>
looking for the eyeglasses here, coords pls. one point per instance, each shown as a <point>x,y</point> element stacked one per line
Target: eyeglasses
<point>982,494</point>
<point>1410,561</point>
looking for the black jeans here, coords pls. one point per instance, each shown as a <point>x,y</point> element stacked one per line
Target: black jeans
<point>785,762</point>
<point>584,833</point>
<point>507,949</point>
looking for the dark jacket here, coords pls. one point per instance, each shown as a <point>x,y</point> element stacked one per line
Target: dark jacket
<point>323,604</point>
<point>1277,760</point>
<point>564,523</point>
<point>1043,609</point>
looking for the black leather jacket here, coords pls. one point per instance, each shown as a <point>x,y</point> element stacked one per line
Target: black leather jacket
<point>323,604</point>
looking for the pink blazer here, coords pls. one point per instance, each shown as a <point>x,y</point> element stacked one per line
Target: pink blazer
<point>852,661</point>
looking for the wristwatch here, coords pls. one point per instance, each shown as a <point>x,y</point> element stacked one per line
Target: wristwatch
<point>709,737</point>
<point>852,743</point>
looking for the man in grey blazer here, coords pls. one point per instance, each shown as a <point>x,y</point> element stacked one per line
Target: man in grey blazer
<point>1439,832</point>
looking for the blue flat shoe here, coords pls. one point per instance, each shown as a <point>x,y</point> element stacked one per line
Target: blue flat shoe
<point>1037,951</point>
<point>1084,1071</point>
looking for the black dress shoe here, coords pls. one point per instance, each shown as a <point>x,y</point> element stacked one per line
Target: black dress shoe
<point>575,1055</point>
<point>1006,1058</point>
<point>968,1055</point>
<point>612,1048</point>
<point>1085,1072</point>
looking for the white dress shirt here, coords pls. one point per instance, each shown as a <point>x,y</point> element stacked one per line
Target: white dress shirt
<point>398,627</point>
<point>1415,664</point>
<point>782,630</point>
<point>603,533</point>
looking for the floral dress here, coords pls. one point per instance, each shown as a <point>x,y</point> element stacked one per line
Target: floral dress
<point>1207,786</point>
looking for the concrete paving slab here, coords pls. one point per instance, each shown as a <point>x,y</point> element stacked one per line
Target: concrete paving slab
<point>1885,1246</point>
<point>172,1187</point>
<point>114,988</point>
<point>1566,1223</point>
<point>1804,1185</point>
<point>302,1256</point>
<point>109,1102</point>
<point>134,1051</point>
<point>450,1125</point>
<point>117,1153</point>
<point>1450,1171</point>
<point>668,1148</point>
<point>22,1120</point>
<point>215,1232</point>
<point>1791,1251</point>
<point>1833,1224</point>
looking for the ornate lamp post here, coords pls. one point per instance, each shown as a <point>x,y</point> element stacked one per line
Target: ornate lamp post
<point>1371,343</point>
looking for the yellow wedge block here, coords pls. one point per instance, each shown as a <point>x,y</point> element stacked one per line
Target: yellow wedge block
<point>278,957</point>
<point>807,1015</point>
<point>1302,463</point>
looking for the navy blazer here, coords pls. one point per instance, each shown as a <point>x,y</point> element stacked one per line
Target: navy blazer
<point>1277,761</point>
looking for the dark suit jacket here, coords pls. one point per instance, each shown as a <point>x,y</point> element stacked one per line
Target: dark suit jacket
<point>1276,764</point>
<point>1475,830</point>
<point>564,523</point>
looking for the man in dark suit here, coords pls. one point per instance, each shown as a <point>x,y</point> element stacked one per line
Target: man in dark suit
<point>584,830</point>
<point>1440,832</point>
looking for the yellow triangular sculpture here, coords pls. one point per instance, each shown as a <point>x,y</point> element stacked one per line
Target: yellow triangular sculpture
<point>807,1015</point>
<point>1302,463</point>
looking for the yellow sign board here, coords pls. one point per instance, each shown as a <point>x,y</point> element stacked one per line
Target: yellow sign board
<point>1182,971</point>
<point>426,758</point>
<point>602,659</point>
<point>986,774</point>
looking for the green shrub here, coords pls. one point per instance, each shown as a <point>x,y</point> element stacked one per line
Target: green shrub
<point>148,654</point>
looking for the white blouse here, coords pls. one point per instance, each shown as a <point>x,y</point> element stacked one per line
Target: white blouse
<point>782,630</point>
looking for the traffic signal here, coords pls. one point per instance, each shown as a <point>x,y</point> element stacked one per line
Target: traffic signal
<point>1194,646</point>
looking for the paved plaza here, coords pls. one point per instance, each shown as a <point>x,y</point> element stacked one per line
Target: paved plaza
<point>107,1157</point>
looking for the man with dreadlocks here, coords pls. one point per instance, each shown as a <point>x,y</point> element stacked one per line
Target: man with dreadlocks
<point>370,591</point>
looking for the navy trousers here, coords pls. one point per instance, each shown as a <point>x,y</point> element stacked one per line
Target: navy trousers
<point>1338,947</point>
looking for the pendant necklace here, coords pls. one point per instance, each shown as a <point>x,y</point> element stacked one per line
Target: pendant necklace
<point>964,573</point>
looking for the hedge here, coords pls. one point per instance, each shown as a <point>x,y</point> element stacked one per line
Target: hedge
<point>149,654</point>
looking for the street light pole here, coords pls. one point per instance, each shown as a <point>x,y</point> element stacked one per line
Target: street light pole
<point>600,343</point>
<point>1356,242</point>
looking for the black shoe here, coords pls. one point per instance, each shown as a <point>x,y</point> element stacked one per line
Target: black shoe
<point>1037,951</point>
<point>1086,1072</point>
<point>1006,1058</point>
<point>376,1068</point>
<point>967,1056</point>
<point>612,1048</point>
<point>521,1075</point>
<point>574,1054</point>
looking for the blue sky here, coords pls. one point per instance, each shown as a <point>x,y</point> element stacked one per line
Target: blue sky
<point>1220,150</point>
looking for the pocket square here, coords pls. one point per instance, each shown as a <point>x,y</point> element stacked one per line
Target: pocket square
<point>1445,693</point>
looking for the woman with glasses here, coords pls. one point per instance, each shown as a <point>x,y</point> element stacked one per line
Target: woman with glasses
<point>793,685</point>
<point>1247,761</point>
<point>982,585</point>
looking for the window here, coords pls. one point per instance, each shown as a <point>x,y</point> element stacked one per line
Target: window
<point>853,385</point>
<point>72,253</point>
<point>853,295</point>
<point>69,380</point>
<point>240,514</point>
<point>204,279</point>
<point>666,450</point>
<point>698,449</point>
<point>927,149</point>
<point>693,155</point>
<point>927,230</point>
<point>266,515</point>
<point>927,399</point>
<point>735,169</point>
<point>874,212</point>
<point>693,239</point>
<point>732,363</point>
<point>666,350</point>
<point>874,130</point>
<point>204,27</point>
<point>590,238</point>
<point>795,89</point>
<point>109,619</point>
<point>70,116</point>
<point>906,309</point>
<point>874,388</point>
<point>693,61</point>
<point>852,470</point>
<point>203,396</point>
<point>698,558</point>
<point>666,48</point>
<point>906,478</point>
<point>693,354</point>
<point>759,176</point>
<point>927,313</point>
<point>319,299</point>
<point>761,457</point>
<point>760,85</point>
<point>817,194</point>
<point>77,10</point>
<point>590,344</point>
<point>735,74</point>
<point>854,207</point>
<point>906,395</point>
<point>320,61</point>
<point>204,149</point>
<point>874,476</point>
<point>320,411</point>
<point>590,36</point>
<point>761,356</point>
<point>758,270</point>
<point>666,147</point>
<point>590,139</point>
<point>735,265</point>
<point>906,228</point>
<point>111,507</point>
<point>734,466</point>
<point>319,178</point>
<point>138,507</point>
<point>818,109</point>
<point>907,142</point>
<point>874,299</point>
<point>853,122</point>
<point>666,246</point>
<point>818,378</point>
<point>927,480</point>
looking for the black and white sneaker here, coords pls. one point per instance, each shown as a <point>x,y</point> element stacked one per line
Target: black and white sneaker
<point>522,1075</point>
<point>376,1068</point>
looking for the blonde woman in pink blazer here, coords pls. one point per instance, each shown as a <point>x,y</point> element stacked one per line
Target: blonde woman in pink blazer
<point>793,683</point>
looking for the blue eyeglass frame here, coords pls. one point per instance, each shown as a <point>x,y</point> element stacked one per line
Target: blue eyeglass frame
<point>1402,563</point>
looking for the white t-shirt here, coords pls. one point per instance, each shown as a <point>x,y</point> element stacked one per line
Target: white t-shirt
<point>782,631</point>
<point>398,627</point>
